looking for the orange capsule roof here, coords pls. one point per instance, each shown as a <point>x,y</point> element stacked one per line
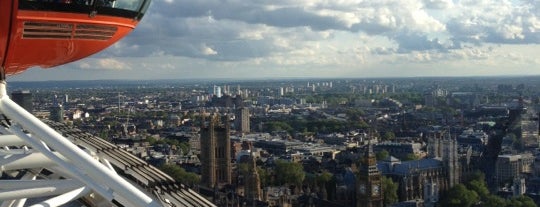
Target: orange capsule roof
<point>48,33</point>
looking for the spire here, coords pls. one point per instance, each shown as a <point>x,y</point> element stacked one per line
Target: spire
<point>203,118</point>
<point>369,151</point>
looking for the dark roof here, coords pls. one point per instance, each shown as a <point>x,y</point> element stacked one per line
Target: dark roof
<point>408,167</point>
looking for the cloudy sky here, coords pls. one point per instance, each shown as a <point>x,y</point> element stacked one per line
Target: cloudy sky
<point>180,39</point>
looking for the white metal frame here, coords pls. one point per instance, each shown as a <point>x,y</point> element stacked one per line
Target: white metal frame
<point>87,175</point>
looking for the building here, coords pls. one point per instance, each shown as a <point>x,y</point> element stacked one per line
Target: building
<point>23,98</point>
<point>253,184</point>
<point>215,153</point>
<point>369,182</point>
<point>447,149</point>
<point>518,186</point>
<point>277,146</point>
<point>529,129</point>
<point>242,122</point>
<point>278,196</point>
<point>57,113</point>
<point>477,139</point>
<point>510,167</point>
<point>400,150</point>
<point>423,179</point>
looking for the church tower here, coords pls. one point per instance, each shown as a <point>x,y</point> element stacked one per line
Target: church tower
<point>444,147</point>
<point>215,153</point>
<point>369,192</point>
<point>451,161</point>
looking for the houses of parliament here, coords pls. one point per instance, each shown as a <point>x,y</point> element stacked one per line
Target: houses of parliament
<point>420,179</point>
<point>215,153</point>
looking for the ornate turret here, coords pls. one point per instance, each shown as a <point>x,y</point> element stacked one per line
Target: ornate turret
<point>446,148</point>
<point>369,192</point>
<point>215,153</point>
<point>253,184</point>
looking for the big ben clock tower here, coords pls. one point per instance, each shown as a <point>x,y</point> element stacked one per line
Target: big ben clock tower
<point>369,192</point>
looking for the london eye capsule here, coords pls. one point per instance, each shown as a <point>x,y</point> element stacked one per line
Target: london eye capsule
<point>48,33</point>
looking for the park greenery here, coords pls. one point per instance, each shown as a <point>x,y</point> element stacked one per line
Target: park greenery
<point>389,191</point>
<point>381,155</point>
<point>475,193</point>
<point>284,173</point>
<point>184,146</point>
<point>313,125</point>
<point>290,173</point>
<point>180,174</point>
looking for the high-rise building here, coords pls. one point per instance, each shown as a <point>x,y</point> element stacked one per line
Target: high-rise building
<point>242,120</point>
<point>215,153</point>
<point>511,166</point>
<point>369,182</point>
<point>57,113</point>
<point>23,98</point>
<point>218,92</point>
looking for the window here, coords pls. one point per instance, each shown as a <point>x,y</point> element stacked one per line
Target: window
<point>122,8</point>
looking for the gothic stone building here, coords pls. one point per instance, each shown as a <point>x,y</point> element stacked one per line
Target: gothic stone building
<point>425,178</point>
<point>369,192</point>
<point>215,153</point>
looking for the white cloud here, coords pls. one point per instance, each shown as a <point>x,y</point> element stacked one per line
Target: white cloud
<point>314,34</point>
<point>103,64</point>
<point>438,4</point>
<point>206,50</point>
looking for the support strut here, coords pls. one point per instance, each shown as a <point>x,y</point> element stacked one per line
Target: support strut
<point>81,165</point>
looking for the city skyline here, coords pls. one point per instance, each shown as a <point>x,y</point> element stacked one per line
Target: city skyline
<point>180,39</point>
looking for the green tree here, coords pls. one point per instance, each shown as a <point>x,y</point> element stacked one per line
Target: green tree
<point>151,140</point>
<point>104,134</point>
<point>323,178</point>
<point>362,124</point>
<point>389,191</point>
<point>459,196</point>
<point>354,114</point>
<point>289,173</point>
<point>277,126</point>
<point>479,187</point>
<point>493,200</point>
<point>184,146</point>
<point>264,177</point>
<point>180,175</point>
<point>521,201</point>
<point>242,169</point>
<point>477,175</point>
<point>383,154</point>
<point>411,156</point>
<point>389,136</point>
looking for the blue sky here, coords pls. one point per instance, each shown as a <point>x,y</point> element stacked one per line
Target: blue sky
<point>180,39</point>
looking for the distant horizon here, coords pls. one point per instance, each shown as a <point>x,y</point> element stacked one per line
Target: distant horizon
<point>204,39</point>
<point>280,78</point>
<point>123,83</point>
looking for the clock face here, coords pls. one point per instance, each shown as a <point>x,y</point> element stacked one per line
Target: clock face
<point>376,190</point>
<point>363,188</point>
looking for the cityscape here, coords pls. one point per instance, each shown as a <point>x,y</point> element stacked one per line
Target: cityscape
<point>169,103</point>
<point>426,141</point>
